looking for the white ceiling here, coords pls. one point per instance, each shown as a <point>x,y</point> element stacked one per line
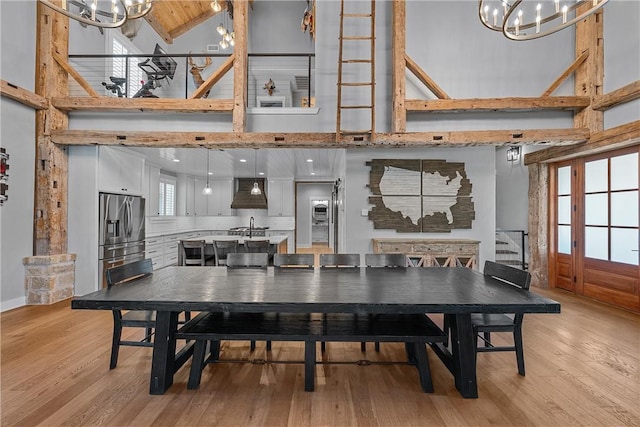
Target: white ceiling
<point>273,162</point>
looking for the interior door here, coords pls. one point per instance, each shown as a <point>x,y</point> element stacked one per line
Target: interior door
<point>564,212</point>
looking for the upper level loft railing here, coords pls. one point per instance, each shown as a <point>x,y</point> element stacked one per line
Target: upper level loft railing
<point>274,80</point>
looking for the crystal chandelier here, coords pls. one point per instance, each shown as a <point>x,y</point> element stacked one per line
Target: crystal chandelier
<point>101,13</point>
<point>528,20</point>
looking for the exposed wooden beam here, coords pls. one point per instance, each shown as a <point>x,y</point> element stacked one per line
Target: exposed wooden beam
<point>424,78</point>
<point>76,75</point>
<point>51,160</point>
<point>498,104</point>
<point>578,62</point>
<point>240,65</point>
<point>619,96</point>
<point>319,140</point>
<point>618,137</point>
<point>143,104</point>
<point>178,31</point>
<point>214,78</point>
<point>399,81</point>
<point>158,27</point>
<point>588,79</point>
<point>23,96</point>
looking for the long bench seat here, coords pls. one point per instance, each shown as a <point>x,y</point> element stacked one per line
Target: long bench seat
<point>415,330</point>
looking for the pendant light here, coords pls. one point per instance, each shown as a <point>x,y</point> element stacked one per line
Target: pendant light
<point>255,191</point>
<point>207,191</point>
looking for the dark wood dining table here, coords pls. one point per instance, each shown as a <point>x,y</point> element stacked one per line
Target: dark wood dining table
<point>456,291</point>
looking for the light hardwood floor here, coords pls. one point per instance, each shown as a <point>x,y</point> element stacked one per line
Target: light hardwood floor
<point>582,369</point>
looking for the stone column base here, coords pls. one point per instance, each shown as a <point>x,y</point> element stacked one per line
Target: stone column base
<point>49,279</point>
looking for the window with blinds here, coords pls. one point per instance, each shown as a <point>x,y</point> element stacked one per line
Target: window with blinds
<point>135,75</point>
<point>167,197</point>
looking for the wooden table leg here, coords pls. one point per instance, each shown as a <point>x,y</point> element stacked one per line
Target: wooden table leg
<point>309,365</point>
<point>164,350</point>
<point>464,358</point>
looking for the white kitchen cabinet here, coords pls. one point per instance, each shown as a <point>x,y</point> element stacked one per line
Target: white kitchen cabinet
<point>190,208</point>
<point>280,197</point>
<point>219,202</point>
<point>152,190</point>
<point>120,171</point>
<point>154,249</point>
<point>201,200</point>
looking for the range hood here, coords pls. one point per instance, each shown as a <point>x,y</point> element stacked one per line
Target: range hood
<point>243,198</point>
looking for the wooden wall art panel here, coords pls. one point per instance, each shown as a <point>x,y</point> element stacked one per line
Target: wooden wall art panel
<point>430,196</point>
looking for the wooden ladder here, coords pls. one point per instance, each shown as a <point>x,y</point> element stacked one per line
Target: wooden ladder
<point>360,88</point>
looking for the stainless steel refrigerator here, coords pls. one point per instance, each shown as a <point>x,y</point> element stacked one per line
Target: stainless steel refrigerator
<point>121,231</point>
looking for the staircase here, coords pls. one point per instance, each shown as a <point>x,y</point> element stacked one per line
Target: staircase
<point>356,94</point>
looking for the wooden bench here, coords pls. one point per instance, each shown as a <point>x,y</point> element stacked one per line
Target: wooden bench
<point>415,330</point>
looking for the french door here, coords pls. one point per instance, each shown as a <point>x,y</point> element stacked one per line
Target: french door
<point>595,231</point>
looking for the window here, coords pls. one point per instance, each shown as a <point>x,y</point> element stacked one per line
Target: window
<point>167,199</point>
<point>119,65</point>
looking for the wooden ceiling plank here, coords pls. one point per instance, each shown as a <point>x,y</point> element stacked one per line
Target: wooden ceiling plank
<point>143,104</point>
<point>73,73</point>
<point>577,63</point>
<point>618,137</point>
<point>424,78</point>
<point>23,96</point>
<point>156,23</point>
<point>499,104</point>
<point>214,77</point>
<point>619,96</point>
<point>319,140</point>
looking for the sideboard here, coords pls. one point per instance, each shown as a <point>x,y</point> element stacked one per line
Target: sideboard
<point>432,252</point>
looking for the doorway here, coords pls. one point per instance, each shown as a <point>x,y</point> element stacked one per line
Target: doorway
<point>596,227</point>
<point>314,217</point>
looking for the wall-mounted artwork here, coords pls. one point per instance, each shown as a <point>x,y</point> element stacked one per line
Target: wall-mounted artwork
<point>419,195</point>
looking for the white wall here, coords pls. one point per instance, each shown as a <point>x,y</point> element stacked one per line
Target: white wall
<point>621,57</point>
<point>17,125</point>
<point>480,168</point>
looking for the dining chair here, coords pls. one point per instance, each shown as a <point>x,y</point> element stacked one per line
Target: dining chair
<point>382,260</point>
<point>486,323</point>
<point>249,260</point>
<point>192,252</point>
<point>339,260</point>
<point>222,248</point>
<point>132,318</point>
<point>293,260</point>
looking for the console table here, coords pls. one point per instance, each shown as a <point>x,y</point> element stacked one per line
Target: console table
<point>432,252</point>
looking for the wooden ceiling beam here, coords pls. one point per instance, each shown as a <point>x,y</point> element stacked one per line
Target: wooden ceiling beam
<point>424,78</point>
<point>618,137</point>
<point>498,104</point>
<point>23,96</point>
<point>75,74</point>
<point>213,78</point>
<point>143,104</point>
<point>240,65</point>
<point>399,80</point>
<point>619,96</point>
<point>157,26</point>
<point>573,67</point>
<point>319,140</point>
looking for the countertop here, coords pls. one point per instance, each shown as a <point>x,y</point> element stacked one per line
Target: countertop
<point>274,240</point>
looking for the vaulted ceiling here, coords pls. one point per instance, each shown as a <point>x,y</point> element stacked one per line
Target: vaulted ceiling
<point>172,18</point>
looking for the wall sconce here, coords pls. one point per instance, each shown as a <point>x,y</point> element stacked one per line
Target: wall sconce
<point>513,154</point>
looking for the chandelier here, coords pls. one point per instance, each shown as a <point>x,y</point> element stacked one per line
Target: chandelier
<point>101,13</point>
<point>528,20</point>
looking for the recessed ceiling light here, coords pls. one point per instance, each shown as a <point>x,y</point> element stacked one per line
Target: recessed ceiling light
<point>313,173</point>
<point>309,160</point>
<point>243,160</point>
<point>176,160</point>
<point>209,173</point>
<point>260,173</point>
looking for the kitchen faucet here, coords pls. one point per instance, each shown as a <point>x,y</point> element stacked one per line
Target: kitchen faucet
<point>251,227</point>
